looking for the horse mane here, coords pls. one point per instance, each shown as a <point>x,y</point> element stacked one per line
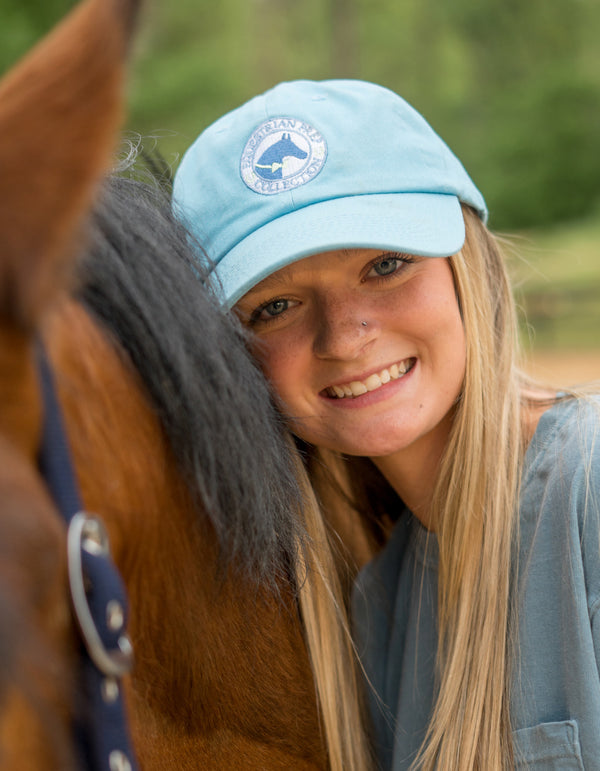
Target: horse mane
<point>138,277</point>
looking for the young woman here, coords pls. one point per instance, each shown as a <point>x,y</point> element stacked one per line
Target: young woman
<point>353,245</point>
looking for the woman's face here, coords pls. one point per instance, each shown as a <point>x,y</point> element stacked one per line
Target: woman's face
<point>366,350</point>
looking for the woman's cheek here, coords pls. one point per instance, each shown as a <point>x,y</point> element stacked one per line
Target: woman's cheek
<point>276,360</point>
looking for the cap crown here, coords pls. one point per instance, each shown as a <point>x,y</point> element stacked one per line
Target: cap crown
<point>307,143</point>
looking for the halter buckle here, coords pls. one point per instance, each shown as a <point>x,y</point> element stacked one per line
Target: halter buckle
<point>88,552</point>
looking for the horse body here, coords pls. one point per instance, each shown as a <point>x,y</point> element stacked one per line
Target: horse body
<point>221,676</point>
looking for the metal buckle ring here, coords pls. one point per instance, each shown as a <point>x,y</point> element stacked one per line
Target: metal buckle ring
<point>89,533</point>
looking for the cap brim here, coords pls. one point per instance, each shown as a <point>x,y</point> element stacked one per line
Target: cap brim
<point>426,224</point>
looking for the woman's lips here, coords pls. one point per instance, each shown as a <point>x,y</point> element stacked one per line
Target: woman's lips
<point>372,382</point>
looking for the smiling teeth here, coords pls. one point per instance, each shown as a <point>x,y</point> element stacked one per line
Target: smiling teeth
<point>372,383</point>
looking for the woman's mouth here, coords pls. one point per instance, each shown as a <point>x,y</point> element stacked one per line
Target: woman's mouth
<point>372,383</point>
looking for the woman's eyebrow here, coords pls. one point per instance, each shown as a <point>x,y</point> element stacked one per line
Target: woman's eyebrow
<point>271,282</point>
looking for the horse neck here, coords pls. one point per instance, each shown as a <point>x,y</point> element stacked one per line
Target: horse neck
<point>123,462</point>
<point>222,671</point>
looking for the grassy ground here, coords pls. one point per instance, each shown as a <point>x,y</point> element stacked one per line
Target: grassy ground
<point>557,281</point>
<point>564,368</point>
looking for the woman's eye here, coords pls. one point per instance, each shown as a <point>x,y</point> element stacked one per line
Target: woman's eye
<point>388,265</point>
<point>271,310</point>
<point>385,267</point>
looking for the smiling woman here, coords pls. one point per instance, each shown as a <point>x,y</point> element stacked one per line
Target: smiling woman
<point>327,366</point>
<point>465,496</point>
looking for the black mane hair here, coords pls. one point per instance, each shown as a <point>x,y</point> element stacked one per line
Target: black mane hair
<point>139,278</point>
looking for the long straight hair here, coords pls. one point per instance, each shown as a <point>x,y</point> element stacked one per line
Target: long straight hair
<point>475,502</point>
<point>332,654</point>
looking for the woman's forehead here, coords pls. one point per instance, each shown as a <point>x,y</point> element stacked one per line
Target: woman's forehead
<point>311,263</point>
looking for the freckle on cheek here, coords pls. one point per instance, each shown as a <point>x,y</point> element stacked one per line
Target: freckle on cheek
<point>420,406</point>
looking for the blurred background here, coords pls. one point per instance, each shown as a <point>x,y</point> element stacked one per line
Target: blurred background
<point>513,87</point>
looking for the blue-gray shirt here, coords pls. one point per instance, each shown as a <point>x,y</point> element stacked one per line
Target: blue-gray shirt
<point>555,700</point>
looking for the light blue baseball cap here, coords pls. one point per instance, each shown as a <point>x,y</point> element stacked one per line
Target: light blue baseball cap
<point>310,167</point>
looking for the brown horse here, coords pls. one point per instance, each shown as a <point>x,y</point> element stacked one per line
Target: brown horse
<point>175,444</point>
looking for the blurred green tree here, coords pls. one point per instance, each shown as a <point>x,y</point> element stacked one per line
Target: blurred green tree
<point>513,87</point>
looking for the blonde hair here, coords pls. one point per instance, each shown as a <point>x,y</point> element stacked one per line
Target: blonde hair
<point>475,505</point>
<point>475,501</point>
<point>329,643</point>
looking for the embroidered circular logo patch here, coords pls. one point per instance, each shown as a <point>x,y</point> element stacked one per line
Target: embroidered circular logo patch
<point>283,153</point>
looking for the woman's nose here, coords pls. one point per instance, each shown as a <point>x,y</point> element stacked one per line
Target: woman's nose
<point>342,331</point>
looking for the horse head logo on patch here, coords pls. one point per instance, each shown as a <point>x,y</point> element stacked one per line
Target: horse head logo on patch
<point>271,162</point>
<point>281,154</point>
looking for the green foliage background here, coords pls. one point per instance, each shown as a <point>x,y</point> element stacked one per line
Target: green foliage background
<point>513,86</point>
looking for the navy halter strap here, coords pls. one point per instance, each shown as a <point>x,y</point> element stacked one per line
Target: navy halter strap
<point>99,603</point>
